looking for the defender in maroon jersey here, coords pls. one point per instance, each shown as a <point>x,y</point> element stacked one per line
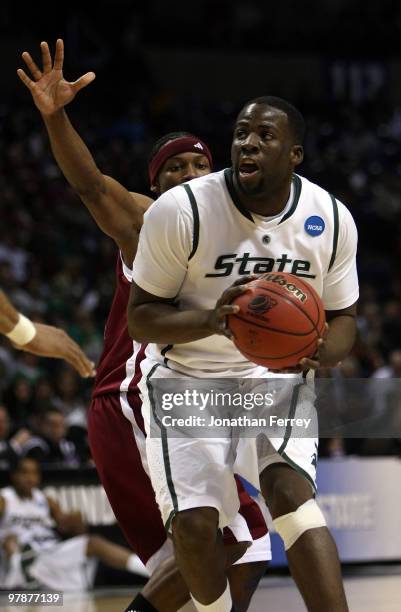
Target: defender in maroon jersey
<point>115,421</point>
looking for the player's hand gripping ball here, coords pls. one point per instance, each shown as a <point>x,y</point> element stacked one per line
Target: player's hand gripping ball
<point>280,321</point>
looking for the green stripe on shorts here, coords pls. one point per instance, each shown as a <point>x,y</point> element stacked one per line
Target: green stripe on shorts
<point>164,438</point>
<point>291,414</point>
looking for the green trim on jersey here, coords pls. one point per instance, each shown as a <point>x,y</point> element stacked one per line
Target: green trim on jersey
<point>291,415</point>
<point>163,352</point>
<point>195,242</point>
<point>164,438</point>
<point>195,213</point>
<point>296,181</point>
<point>335,234</point>
<point>228,175</point>
<point>170,518</point>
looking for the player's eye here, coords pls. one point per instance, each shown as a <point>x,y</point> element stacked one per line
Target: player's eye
<point>202,166</point>
<point>175,168</point>
<point>240,134</point>
<point>267,135</point>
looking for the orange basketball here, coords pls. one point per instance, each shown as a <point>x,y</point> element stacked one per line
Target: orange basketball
<point>280,321</point>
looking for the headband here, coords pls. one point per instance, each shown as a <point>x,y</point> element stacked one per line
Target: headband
<point>186,144</point>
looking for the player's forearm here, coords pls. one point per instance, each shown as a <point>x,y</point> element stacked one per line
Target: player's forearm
<point>73,156</point>
<point>72,523</point>
<point>340,339</point>
<point>8,315</point>
<point>164,324</point>
<point>115,211</point>
<point>19,329</point>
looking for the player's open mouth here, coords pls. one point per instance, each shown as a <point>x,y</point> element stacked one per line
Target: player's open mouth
<point>248,169</point>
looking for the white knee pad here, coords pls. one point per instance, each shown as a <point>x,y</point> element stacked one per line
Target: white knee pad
<point>292,525</point>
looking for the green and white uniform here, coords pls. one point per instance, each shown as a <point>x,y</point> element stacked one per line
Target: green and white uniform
<point>42,558</point>
<point>196,241</point>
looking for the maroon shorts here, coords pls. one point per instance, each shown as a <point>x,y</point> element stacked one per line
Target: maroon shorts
<point>127,485</point>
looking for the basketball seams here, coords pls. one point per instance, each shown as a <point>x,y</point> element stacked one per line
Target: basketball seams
<point>278,338</point>
<point>293,303</point>
<point>305,346</point>
<point>312,293</point>
<point>273,329</point>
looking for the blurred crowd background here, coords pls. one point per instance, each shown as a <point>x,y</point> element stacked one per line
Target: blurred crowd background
<point>159,68</point>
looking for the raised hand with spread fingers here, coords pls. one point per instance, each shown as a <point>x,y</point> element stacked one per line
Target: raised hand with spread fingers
<point>48,86</point>
<point>118,212</point>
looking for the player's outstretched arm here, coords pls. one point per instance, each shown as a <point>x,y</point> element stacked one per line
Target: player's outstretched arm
<point>116,211</point>
<point>52,341</point>
<point>42,340</point>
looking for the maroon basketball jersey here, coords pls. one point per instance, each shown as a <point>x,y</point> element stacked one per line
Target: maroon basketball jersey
<point>118,369</point>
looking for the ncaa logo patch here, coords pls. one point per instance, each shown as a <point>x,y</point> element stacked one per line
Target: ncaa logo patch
<point>314,226</point>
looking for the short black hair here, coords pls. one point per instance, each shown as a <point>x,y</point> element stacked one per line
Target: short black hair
<point>295,118</point>
<point>15,464</point>
<point>166,138</point>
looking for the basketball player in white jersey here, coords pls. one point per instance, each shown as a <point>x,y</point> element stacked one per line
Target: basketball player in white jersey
<point>196,242</point>
<point>32,551</point>
<point>42,340</point>
<point>114,415</point>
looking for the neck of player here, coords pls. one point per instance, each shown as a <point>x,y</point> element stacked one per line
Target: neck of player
<point>268,202</point>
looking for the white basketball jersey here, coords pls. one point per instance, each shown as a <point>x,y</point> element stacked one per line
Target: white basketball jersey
<point>28,519</point>
<point>197,239</point>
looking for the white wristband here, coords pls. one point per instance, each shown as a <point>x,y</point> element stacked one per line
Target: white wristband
<point>23,332</point>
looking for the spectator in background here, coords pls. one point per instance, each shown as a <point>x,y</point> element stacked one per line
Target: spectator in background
<point>385,392</point>
<point>10,447</point>
<point>68,399</point>
<point>51,445</point>
<point>33,553</point>
<point>393,369</point>
<point>28,367</point>
<point>19,399</point>
<point>44,395</point>
<point>70,402</point>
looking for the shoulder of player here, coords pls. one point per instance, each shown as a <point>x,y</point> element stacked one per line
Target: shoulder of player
<point>214,180</point>
<point>7,494</point>
<point>323,198</point>
<point>181,200</point>
<point>203,192</point>
<point>172,199</point>
<point>173,202</point>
